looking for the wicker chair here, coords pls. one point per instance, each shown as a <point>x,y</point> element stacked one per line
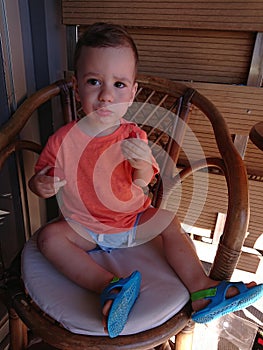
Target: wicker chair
<point>166,131</point>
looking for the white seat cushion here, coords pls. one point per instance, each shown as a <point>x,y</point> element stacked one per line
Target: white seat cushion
<point>78,310</point>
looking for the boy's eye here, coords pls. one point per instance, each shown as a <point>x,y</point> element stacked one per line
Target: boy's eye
<point>119,84</point>
<point>93,81</point>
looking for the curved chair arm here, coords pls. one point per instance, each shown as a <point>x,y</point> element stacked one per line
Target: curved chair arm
<point>18,120</point>
<point>211,162</point>
<point>18,145</point>
<point>15,124</point>
<point>238,209</point>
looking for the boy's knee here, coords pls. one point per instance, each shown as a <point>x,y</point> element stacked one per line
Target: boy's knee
<point>45,238</point>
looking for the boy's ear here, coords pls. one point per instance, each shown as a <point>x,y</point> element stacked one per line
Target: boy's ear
<point>75,87</point>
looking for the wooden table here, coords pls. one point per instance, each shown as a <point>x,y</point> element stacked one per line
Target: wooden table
<point>256,135</point>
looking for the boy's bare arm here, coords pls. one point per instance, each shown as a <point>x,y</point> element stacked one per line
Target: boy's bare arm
<point>142,177</point>
<point>139,154</point>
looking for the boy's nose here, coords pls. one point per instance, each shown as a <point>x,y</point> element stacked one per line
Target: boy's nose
<point>105,95</point>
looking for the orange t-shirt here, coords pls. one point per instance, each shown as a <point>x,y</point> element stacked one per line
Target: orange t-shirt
<point>99,192</point>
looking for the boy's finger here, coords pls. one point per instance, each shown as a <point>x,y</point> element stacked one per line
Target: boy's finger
<point>59,184</point>
<point>44,170</point>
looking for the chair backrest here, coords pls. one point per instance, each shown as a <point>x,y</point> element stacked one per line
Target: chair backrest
<point>162,108</point>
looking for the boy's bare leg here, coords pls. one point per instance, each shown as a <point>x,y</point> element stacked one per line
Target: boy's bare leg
<point>67,251</point>
<point>179,251</point>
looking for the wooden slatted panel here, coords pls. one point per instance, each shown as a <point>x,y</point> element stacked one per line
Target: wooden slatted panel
<point>199,142</point>
<point>204,205</point>
<point>256,208</point>
<point>241,106</point>
<point>204,141</point>
<point>214,14</point>
<point>253,157</point>
<point>218,57</point>
<point>191,55</point>
<point>196,146</point>
<point>254,160</point>
<point>248,262</point>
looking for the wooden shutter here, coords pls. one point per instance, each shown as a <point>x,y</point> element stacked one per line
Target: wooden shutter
<point>214,14</point>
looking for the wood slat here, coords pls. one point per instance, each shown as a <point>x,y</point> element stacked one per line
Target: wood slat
<point>234,15</point>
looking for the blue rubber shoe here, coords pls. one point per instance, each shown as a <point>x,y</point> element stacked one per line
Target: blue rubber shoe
<point>220,305</point>
<point>123,301</point>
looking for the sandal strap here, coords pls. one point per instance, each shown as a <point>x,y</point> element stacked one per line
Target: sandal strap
<point>106,293</point>
<point>116,282</point>
<point>115,279</point>
<point>201,294</point>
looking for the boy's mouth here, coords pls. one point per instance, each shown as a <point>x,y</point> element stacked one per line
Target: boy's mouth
<point>104,112</point>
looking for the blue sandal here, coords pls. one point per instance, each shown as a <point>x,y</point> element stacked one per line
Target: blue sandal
<point>123,301</point>
<point>220,305</point>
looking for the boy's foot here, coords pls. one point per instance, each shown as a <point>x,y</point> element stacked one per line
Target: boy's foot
<point>122,294</point>
<point>224,298</point>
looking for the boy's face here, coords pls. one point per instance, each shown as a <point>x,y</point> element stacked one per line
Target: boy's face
<point>105,83</point>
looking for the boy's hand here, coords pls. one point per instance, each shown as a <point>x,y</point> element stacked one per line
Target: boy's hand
<point>45,184</point>
<point>137,152</point>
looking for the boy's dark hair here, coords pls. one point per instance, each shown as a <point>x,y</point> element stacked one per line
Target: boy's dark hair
<point>105,35</point>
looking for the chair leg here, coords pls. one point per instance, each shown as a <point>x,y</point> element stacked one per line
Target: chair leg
<point>18,332</point>
<point>184,339</point>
